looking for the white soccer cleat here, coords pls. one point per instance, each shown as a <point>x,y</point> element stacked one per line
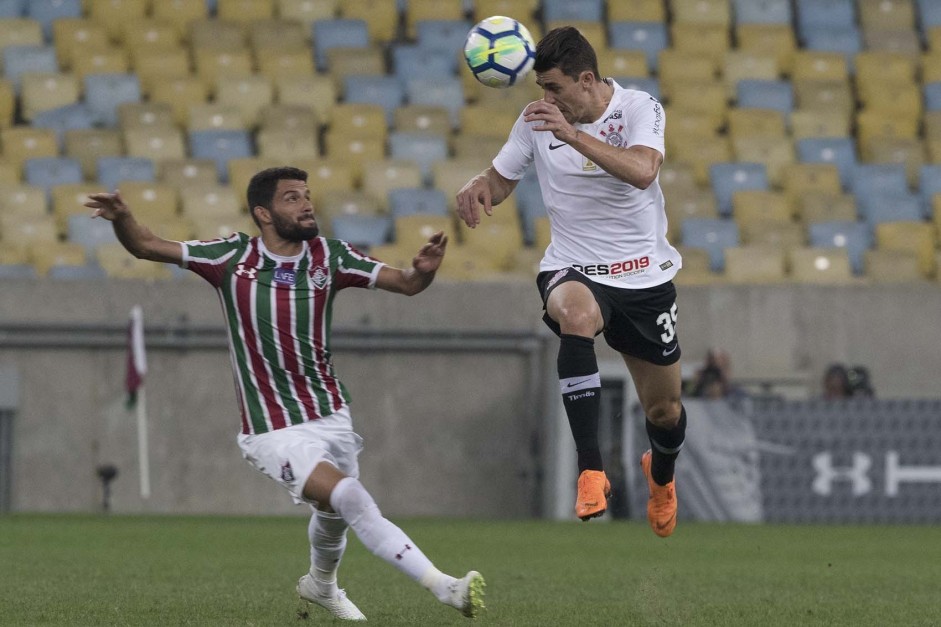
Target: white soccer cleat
<point>338,604</point>
<point>467,594</point>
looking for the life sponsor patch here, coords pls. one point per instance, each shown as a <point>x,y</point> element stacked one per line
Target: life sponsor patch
<point>285,276</point>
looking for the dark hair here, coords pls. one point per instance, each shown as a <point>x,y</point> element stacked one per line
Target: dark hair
<point>567,49</point>
<point>263,185</point>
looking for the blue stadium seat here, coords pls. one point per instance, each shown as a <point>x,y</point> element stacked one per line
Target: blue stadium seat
<point>840,151</point>
<point>888,207</point>
<point>640,83</point>
<point>529,201</point>
<point>18,60</point>
<point>846,40</point>
<point>441,92</point>
<point>113,170</point>
<point>17,271</point>
<point>855,237</point>
<point>362,231</point>
<point>337,33</point>
<point>47,11</point>
<point>12,8</point>
<point>728,178</point>
<point>67,118</point>
<point>221,147</point>
<point>762,11</point>
<point>649,37</point>
<point>929,12</point>
<point>409,61</point>
<point>872,178</point>
<point>408,200</point>
<point>383,90</point>
<point>932,93</point>
<point>90,233</point>
<point>444,36</point>
<point>88,272</point>
<point>572,11</point>
<point>104,93</point>
<point>824,14</point>
<point>754,93</point>
<point>422,148</point>
<point>929,184</point>
<point>713,235</point>
<point>48,171</point>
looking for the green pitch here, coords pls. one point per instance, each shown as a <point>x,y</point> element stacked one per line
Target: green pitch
<point>86,570</point>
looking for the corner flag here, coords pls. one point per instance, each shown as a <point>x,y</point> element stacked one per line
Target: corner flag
<point>134,383</point>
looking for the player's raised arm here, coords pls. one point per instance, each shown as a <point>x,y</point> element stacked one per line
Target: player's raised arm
<point>485,190</point>
<point>139,240</point>
<point>411,281</point>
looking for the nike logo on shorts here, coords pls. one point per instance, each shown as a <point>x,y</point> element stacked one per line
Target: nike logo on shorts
<point>667,353</point>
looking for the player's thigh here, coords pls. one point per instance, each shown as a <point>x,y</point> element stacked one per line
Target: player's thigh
<point>658,389</point>
<point>573,303</point>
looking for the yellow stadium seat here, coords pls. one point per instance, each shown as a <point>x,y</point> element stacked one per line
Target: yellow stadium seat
<point>180,173</point>
<point>933,148</point>
<point>325,175</point>
<point>180,13</point>
<point>212,64</point>
<point>424,118</point>
<point>799,178</point>
<point>21,232</point>
<point>395,255</point>
<point>776,153</point>
<point>212,227</point>
<point>22,200</point>
<point>514,99</point>
<point>150,201</point>
<point>824,95</point>
<point>87,145</point>
<point>120,264</point>
<point>285,145</point>
<point>218,34</point>
<point>756,123</point>
<point>9,173</point>
<point>151,34</point>
<point>68,200</point>
<point>278,34</point>
<point>138,115</point>
<point>819,123</point>
<point>70,34</point>
<point>431,10</point>
<point>176,228</point>
<point>676,67</point>
<point>214,116</point>
<point>820,206</point>
<point>753,205</point>
<point>285,64</point>
<point>777,40</point>
<point>307,11</point>
<point>685,124</point>
<point>819,66</point>
<point>282,117</point>
<point>918,238</point>
<point>217,201</point>
<point>41,91</point>
<point>381,17</point>
<point>904,99</point>
<point>104,60</point>
<point>154,65</point>
<point>755,263</point>
<point>20,32</point>
<point>886,14</point>
<point>450,175</point>
<point>931,63</point>
<point>700,153</point>
<point>704,96</point>
<point>242,170</point>
<point>384,175</point>
<point>114,14</point>
<point>696,268</point>
<point>784,235</point>
<point>932,122</point>
<point>7,103</point>
<point>936,212</point>
<point>742,64</point>
<point>710,40</point>
<point>892,266</point>
<point>622,62</point>
<point>344,62</point>
<point>359,120</point>
<point>636,11</point>
<point>317,91</point>
<point>181,94</point>
<point>871,124</point>
<point>933,38</point>
<point>520,9</point>
<point>469,145</point>
<point>412,231</point>
<point>677,176</point>
<point>467,264</point>
<point>542,233</point>
<point>346,203</point>
<point>20,143</point>
<point>46,255</point>
<point>250,94</point>
<point>245,10</point>
<point>906,151</point>
<point>882,65</point>
<point>702,11</point>
<point>486,122</point>
<point>906,41</point>
<point>157,143</point>
<point>681,205</point>
<point>820,266</point>
<point>594,32</point>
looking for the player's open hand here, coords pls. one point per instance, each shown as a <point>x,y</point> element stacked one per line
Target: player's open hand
<point>551,118</point>
<point>107,205</point>
<point>471,198</point>
<point>430,255</point>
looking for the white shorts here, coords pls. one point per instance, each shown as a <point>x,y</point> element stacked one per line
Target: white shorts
<point>290,454</point>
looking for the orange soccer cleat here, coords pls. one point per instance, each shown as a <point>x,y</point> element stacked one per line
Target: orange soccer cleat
<point>593,492</point>
<point>661,506</point>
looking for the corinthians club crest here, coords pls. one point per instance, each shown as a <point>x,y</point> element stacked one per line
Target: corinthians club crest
<point>613,135</point>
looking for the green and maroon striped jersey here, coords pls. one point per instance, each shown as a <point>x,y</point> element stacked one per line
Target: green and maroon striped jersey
<point>278,313</point>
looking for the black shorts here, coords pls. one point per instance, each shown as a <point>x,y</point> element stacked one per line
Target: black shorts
<point>640,323</point>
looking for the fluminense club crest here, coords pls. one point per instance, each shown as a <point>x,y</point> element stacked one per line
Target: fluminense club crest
<point>318,276</point>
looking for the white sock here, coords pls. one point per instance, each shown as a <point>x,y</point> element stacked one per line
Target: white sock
<point>383,539</point>
<point>327,534</point>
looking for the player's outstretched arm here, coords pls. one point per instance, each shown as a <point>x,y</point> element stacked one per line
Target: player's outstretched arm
<point>134,236</point>
<point>411,281</point>
<point>485,190</point>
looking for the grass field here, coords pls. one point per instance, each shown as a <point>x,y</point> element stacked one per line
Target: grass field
<point>88,570</point>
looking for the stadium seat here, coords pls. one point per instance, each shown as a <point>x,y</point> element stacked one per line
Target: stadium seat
<point>777,40</point>
<point>88,145</point>
<point>353,150</point>
<point>572,10</point>
<point>307,11</point>
<point>345,62</point>
<point>917,237</point>
<point>182,173</point>
<point>409,61</point>
<point>624,63</point>
<point>207,116</point>
<point>820,206</point>
<point>784,235</point>
<point>645,84</point>
<point>149,34</point>
<point>386,91</point>
<point>105,92</point>
<point>40,92</point>
<point>846,40</point>
<point>441,36</point>
<point>405,201</point>
<point>713,235</point>
<point>347,203</point>
<point>839,151</point>
<point>120,264</point>
<point>212,63</point>
<point>824,13</point>
<point>745,64</point>
<point>279,34</point>
<point>381,177</point>
<point>19,60</point>
<point>151,200</point>
<point>220,146</point>
<point>701,153</point>
<point>497,242</point>
<point>932,93</point>
<point>853,236</point>
<point>685,204</point>
<point>104,60</point>
<point>868,179</point>
<point>250,94</point>
<point>727,178</point>
<point>63,119</point>
<point>220,201</point>
<point>381,17</point>
<point>245,10</point>
<point>422,148</point>
<point>750,205</point>
<point>710,40</point>
<point>155,64</point>
<point>137,115</point>
<point>819,65</point>
<point>648,37</point>
<point>762,11</point>
<point>412,231</point>
<point>286,64</point>
<point>775,153</point>
<point>334,33</point>
<point>113,170</point>
<point>777,95</point>
<point>755,264</point>
<point>22,200</point>
<point>828,96</point>
<point>819,123</point>
<point>882,15</point>
<point>423,118</point>
<point>441,92</point>
<point>904,41</point>
<point>906,98</point>
<point>892,266</point>
<point>450,175</point>
<point>822,266</point>
<point>929,13</point>
<point>114,14</point>
<point>47,11</point>
<point>748,122</point>
<point>43,257</point>
<point>12,8</point>
<point>45,172</point>
<point>428,10</point>
<point>286,145</point>
<point>22,142</point>
<point>362,231</point>
<point>889,207</point>
<point>319,92</point>
<point>910,152</point>
<point>156,143</point>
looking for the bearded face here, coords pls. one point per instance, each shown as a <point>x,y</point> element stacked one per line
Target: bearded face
<point>294,230</point>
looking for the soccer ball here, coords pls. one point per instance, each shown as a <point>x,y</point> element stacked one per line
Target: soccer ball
<point>499,51</point>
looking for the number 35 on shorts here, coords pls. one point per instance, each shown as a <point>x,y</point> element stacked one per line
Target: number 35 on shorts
<point>667,320</point>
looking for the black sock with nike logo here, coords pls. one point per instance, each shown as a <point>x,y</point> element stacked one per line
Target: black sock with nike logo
<point>580,383</point>
<point>665,445</point>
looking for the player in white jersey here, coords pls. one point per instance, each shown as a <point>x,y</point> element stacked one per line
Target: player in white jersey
<point>277,291</point>
<point>597,150</point>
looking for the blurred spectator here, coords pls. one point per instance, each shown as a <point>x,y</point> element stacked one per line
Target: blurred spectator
<point>840,381</point>
<point>713,380</point>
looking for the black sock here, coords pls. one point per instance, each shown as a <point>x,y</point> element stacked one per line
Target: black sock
<point>665,445</point>
<point>580,383</point>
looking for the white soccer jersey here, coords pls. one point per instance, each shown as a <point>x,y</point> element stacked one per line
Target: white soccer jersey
<point>611,231</point>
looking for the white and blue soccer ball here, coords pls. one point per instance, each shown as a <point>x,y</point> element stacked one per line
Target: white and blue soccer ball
<point>499,51</point>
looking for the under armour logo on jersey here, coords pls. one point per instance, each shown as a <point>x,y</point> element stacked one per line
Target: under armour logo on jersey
<point>318,277</point>
<point>246,271</point>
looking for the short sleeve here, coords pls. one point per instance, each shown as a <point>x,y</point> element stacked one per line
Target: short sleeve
<point>353,268</point>
<point>517,153</point>
<point>646,124</point>
<point>209,258</point>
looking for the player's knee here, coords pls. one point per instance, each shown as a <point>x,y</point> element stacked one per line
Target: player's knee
<point>664,412</point>
<point>352,502</point>
<point>578,321</point>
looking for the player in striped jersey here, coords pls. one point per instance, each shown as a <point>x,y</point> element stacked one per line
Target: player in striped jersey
<point>277,291</point>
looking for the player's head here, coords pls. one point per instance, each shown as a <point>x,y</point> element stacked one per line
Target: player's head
<point>567,69</point>
<point>280,197</point>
